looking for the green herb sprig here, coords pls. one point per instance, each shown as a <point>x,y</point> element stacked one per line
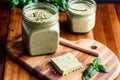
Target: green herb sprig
<point>93,69</point>
<point>19,3</point>
<point>60,4</point>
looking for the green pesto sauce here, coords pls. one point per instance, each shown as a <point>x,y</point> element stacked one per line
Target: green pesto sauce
<point>39,14</point>
<point>41,37</point>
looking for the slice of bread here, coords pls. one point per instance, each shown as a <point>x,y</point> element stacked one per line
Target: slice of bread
<point>66,63</point>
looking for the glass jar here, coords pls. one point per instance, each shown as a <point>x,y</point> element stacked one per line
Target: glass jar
<point>81,15</point>
<point>40,28</point>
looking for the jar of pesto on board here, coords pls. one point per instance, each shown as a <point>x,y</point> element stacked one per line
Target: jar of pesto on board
<point>40,28</point>
<point>81,15</point>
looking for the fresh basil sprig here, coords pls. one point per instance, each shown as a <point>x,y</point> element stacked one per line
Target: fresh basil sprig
<point>98,66</point>
<point>60,4</point>
<point>102,68</point>
<point>92,69</point>
<point>19,3</point>
<point>13,4</point>
<point>88,73</point>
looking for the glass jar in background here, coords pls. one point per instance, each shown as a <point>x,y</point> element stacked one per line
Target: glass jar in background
<point>40,28</point>
<point>81,15</point>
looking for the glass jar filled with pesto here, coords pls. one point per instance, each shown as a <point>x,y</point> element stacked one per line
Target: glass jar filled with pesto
<point>81,15</point>
<point>40,28</point>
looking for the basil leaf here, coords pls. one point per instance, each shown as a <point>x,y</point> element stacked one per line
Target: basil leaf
<point>62,8</point>
<point>29,2</point>
<point>102,68</point>
<point>23,3</point>
<point>60,4</point>
<point>61,1</point>
<point>91,70</point>
<point>34,1</point>
<point>88,73</point>
<point>96,62</point>
<point>13,4</point>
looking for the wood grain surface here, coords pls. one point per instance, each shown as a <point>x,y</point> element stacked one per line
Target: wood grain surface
<point>40,65</point>
<point>106,31</point>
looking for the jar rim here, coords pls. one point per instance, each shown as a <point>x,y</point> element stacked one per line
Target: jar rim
<point>37,6</point>
<point>92,3</point>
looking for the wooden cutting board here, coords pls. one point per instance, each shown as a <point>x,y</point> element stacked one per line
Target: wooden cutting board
<point>40,65</point>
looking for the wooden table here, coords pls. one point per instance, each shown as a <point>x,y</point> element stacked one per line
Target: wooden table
<point>106,31</point>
